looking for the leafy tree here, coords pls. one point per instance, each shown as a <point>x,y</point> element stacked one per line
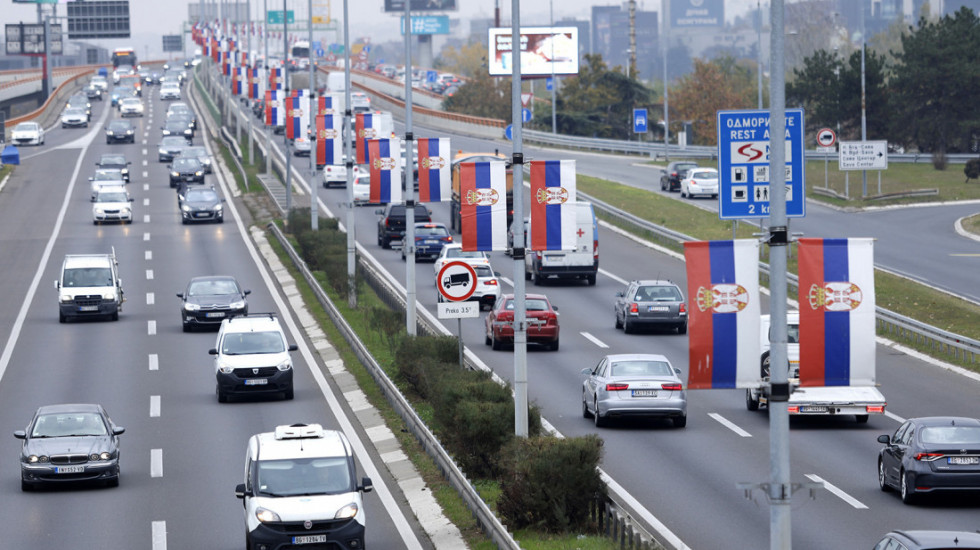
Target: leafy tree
<point>482,95</point>
<point>816,88</point>
<point>937,76</point>
<point>598,102</point>
<point>713,86</point>
<point>469,60</point>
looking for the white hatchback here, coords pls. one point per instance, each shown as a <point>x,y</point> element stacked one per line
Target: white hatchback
<point>700,181</point>
<point>454,252</point>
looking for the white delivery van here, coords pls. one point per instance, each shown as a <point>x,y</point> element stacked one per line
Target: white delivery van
<point>89,286</point>
<point>336,83</point>
<point>582,263</point>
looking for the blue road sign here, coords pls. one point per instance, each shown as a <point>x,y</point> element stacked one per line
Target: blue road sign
<point>275,17</point>
<point>431,76</point>
<point>548,83</point>
<point>319,52</point>
<point>640,121</point>
<point>509,132</point>
<point>525,115</point>
<point>743,164</point>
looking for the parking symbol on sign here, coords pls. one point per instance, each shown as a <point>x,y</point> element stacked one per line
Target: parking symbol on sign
<point>739,174</point>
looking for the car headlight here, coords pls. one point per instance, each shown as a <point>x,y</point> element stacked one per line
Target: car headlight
<point>98,210</point>
<point>104,455</point>
<point>129,131</point>
<point>265,515</point>
<point>166,132</point>
<point>65,298</point>
<point>175,174</point>
<point>185,208</point>
<point>218,208</point>
<point>237,305</point>
<point>191,307</point>
<point>347,512</point>
<point>199,173</point>
<point>109,296</point>
<point>35,459</point>
<point>225,369</point>
<point>108,132</point>
<point>285,365</point>
<point>125,210</point>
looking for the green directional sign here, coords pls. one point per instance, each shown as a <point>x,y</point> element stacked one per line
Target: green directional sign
<point>274,17</point>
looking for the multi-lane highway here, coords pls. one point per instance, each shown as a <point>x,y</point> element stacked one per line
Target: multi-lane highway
<point>182,453</point>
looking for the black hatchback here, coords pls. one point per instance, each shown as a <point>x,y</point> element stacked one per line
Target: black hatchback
<point>209,300</point>
<point>117,161</point>
<point>674,173</point>
<point>120,131</point>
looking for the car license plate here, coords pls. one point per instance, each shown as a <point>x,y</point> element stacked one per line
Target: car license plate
<point>658,308</point>
<point>430,242</point>
<point>88,308</point>
<point>812,409</point>
<point>309,539</point>
<point>215,314</point>
<point>256,382</point>
<point>69,469</point>
<point>963,460</point>
<point>644,393</point>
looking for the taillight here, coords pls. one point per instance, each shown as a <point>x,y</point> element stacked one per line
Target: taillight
<point>448,239</point>
<point>793,409</point>
<point>537,255</point>
<point>673,386</point>
<point>595,250</point>
<point>694,182</point>
<point>878,409</point>
<point>616,387</point>
<point>491,282</point>
<point>683,308</point>
<point>634,308</point>
<point>928,457</point>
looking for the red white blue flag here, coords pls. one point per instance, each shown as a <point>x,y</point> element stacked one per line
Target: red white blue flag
<point>329,143</point>
<point>275,78</point>
<point>435,179</point>
<point>275,110</point>
<point>297,117</point>
<point>483,205</point>
<point>386,170</point>
<point>328,105</point>
<point>837,312</point>
<point>723,317</point>
<point>552,205</point>
<point>237,80</point>
<point>366,128</point>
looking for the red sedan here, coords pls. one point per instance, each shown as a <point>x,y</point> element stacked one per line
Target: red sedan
<point>542,322</point>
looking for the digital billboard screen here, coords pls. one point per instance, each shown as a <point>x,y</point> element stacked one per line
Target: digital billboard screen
<point>544,51</point>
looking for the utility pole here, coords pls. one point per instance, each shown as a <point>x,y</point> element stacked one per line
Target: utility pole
<point>632,16</point>
<point>864,120</point>
<point>759,51</point>
<point>285,92</point>
<point>554,82</point>
<point>348,136</point>
<point>267,72</point>
<point>408,243</point>
<point>665,24</point>
<point>311,132</point>
<point>520,289</point>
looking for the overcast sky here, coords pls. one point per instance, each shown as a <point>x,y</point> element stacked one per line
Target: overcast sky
<point>158,17</point>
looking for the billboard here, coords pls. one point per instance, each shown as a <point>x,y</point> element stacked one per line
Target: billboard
<point>697,13</point>
<point>24,39</point>
<point>98,19</point>
<point>428,24</point>
<point>173,42</point>
<point>544,51</point>
<point>420,5</point>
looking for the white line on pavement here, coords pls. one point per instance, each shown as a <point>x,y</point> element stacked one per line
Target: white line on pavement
<point>154,406</point>
<point>146,202</point>
<point>837,492</point>
<point>144,152</point>
<point>146,186</point>
<point>616,278</point>
<point>150,298</point>
<point>144,162</point>
<point>894,417</point>
<point>156,462</point>
<point>594,340</point>
<point>508,281</point>
<point>146,218</point>
<point>148,255</point>
<point>149,274</point>
<point>729,424</point>
<point>154,361</point>
<point>159,535</point>
<point>146,237</point>
<point>151,328</point>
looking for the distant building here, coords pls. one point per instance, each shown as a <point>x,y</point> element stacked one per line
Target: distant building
<point>611,38</point>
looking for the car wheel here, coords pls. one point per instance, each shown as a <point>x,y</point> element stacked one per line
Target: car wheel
<point>114,482</point>
<point>288,394</point>
<point>861,418</point>
<point>222,396</point>
<point>663,185</point>
<point>679,421</point>
<point>26,487</point>
<point>882,480</point>
<point>487,340</point>
<point>682,328</point>
<point>907,488</point>
<point>385,243</point>
<point>751,403</point>
<point>627,327</point>
<point>619,324</point>
<point>186,327</point>
<point>494,343</point>
<point>764,371</point>
<point>585,407</point>
<point>553,346</point>
<point>114,316</point>
<point>590,279</point>
<point>600,420</point>
<point>62,318</point>
<point>536,279</point>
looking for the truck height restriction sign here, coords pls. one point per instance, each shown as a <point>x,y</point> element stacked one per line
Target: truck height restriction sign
<point>743,164</point>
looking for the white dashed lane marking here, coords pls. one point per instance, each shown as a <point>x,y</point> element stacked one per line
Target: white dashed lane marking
<point>149,274</point>
<point>146,202</point>
<point>148,255</point>
<point>154,361</point>
<point>146,218</point>
<point>836,491</point>
<point>150,298</point>
<point>151,328</point>
<point>594,340</point>
<point>146,237</point>
<point>156,462</point>
<point>154,406</point>
<point>159,535</point>
<point>729,424</point>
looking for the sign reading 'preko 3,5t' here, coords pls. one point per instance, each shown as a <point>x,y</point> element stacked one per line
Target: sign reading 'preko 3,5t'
<point>743,164</point>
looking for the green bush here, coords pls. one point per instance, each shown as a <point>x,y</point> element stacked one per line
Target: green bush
<point>972,170</point>
<point>422,360</point>
<point>550,483</point>
<point>476,417</point>
<point>324,250</point>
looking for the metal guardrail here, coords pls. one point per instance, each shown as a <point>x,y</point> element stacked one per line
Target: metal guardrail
<point>484,516</point>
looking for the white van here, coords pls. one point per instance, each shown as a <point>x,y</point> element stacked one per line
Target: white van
<point>89,286</point>
<point>582,263</point>
<point>336,82</point>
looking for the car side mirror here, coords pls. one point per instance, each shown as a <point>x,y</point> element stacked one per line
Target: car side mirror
<point>57,285</point>
<point>91,199</point>
<point>130,199</point>
<point>240,491</point>
<point>180,295</point>
<point>247,292</point>
<point>213,351</point>
<point>554,308</point>
<point>366,486</point>
<point>293,347</point>
<point>620,294</point>
<point>586,371</point>
<point>380,211</point>
<point>677,370</point>
<point>91,179</point>
<point>118,430</point>
<point>21,434</point>
<point>886,439</point>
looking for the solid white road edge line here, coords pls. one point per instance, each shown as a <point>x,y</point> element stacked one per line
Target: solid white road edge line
<point>836,491</point>
<point>894,417</point>
<point>729,424</point>
<point>154,406</point>
<point>384,493</point>
<point>594,340</point>
<point>156,462</point>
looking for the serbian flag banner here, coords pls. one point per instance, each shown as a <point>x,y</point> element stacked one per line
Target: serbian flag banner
<point>386,170</point>
<point>297,119</point>
<point>365,126</point>
<point>236,80</point>
<point>837,312</point>
<point>329,145</point>
<point>723,314</point>
<point>275,111</point>
<point>435,178</point>
<point>552,205</point>
<point>328,105</point>
<point>483,208</point>
<point>275,78</point>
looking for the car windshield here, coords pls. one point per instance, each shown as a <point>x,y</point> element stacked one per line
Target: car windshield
<point>118,126</point>
<point>26,127</point>
<point>658,294</point>
<point>530,304</point>
<point>640,368</point>
<point>438,231</point>
<point>303,476</point>
<point>87,276</point>
<point>107,175</point>
<point>109,160</point>
<point>201,195</point>
<point>707,174</point>
<point>951,435</point>
<point>113,196</point>
<point>243,343</point>
<point>172,141</point>
<point>213,287</point>
<point>186,164</point>
<point>69,425</point>
<point>483,271</point>
<point>131,101</point>
<point>74,111</point>
<point>460,253</point>
<point>194,152</point>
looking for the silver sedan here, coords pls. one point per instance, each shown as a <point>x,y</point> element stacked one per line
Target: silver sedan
<point>637,384</point>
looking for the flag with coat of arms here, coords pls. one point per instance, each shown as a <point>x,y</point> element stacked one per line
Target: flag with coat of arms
<point>297,117</point>
<point>723,314</point>
<point>552,205</point>
<point>483,205</point>
<point>329,143</point>
<point>237,78</point>
<point>328,105</point>
<point>366,128</point>
<point>837,312</point>
<point>385,166</point>
<point>435,177</point>
<point>275,111</point>
<point>275,78</point>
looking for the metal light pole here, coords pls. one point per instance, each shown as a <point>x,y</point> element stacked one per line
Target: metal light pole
<point>285,88</point>
<point>864,120</point>
<point>266,69</point>
<point>780,490</point>
<point>311,131</point>
<point>520,290</point>
<point>554,83</point>
<point>408,243</point>
<point>348,136</point>
<point>759,52</point>
<point>664,9</point>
